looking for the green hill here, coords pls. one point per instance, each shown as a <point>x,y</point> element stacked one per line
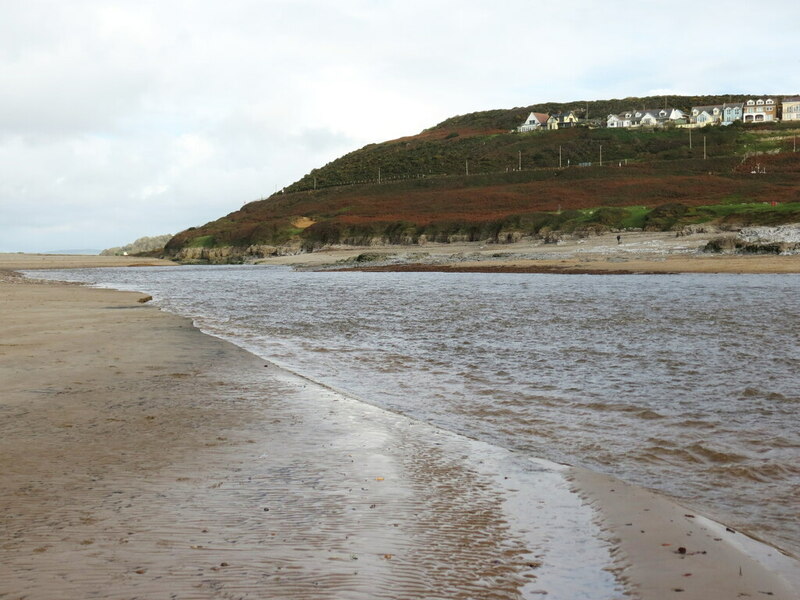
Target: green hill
<point>472,178</point>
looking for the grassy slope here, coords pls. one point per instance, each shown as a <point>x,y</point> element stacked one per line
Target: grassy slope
<point>424,189</point>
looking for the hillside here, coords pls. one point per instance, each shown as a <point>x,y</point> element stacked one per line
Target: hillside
<point>140,246</point>
<point>471,178</point>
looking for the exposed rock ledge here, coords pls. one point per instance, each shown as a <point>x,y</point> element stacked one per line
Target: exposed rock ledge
<point>233,254</point>
<point>784,239</point>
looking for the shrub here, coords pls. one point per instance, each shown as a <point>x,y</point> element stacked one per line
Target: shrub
<point>664,217</point>
<point>609,216</point>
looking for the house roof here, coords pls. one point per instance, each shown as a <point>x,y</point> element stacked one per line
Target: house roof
<point>653,112</point>
<point>540,118</point>
<point>656,112</point>
<point>792,99</point>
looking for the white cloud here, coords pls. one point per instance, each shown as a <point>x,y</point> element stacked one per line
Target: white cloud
<point>120,119</point>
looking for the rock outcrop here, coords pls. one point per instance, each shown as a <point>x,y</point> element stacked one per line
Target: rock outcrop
<point>784,239</point>
<point>227,255</point>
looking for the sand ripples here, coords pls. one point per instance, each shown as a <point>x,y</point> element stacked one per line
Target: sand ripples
<point>236,481</point>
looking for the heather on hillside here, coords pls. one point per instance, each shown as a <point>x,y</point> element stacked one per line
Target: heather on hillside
<point>472,178</point>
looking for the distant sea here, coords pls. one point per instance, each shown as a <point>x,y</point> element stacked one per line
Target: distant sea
<point>90,252</point>
<point>688,384</point>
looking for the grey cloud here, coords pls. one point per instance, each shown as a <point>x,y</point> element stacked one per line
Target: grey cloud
<point>123,119</point>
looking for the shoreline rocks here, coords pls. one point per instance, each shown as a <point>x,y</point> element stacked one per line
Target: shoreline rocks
<point>781,240</point>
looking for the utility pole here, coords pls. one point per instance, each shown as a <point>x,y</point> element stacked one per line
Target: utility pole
<point>559,157</point>
<point>379,174</point>
<point>466,166</point>
<point>601,155</point>
<point>519,163</point>
<point>705,156</point>
<point>690,138</point>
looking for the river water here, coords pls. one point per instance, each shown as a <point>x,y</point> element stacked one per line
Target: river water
<point>688,384</point>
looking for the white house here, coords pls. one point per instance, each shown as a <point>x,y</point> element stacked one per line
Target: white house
<point>707,115</point>
<point>646,117</point>
<point>658,117</point>
<point>533,122</point>
<point>621,120</point>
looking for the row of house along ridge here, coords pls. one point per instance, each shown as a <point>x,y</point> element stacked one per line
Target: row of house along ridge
<point>754,110</point>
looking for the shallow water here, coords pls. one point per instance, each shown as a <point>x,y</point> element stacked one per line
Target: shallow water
<point>687,384</point>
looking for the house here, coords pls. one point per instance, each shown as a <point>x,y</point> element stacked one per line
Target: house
<point>760,110</point>
<point>716,114</point>
<point>791,109</point>
<point>732,112</point>
<point>621,120</point>
<point>707,115</point>
<point>646,117</point>
<point>562,120</point>
<point>659,117</point>
<point>533,122</point>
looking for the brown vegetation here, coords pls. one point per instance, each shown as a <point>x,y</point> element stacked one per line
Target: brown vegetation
<point>470,179</point>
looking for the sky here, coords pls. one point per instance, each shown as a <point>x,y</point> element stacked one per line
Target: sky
<point>123,119</point>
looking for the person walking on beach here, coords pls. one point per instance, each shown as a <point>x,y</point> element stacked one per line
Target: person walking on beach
<point>619,239</point>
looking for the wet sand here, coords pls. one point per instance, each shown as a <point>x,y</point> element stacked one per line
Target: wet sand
<point>665,550</point>
<point>605,266</point>
<point>142,458</point>
<point>75,261</point>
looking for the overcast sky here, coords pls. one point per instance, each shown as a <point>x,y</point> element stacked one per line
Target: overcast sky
<point>120,119</point>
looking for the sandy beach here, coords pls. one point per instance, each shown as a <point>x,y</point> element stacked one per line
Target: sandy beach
<point>11,261</point>
<point>142,458</point>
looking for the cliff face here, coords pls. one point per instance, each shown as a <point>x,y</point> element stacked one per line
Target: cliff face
<point>232,254</point>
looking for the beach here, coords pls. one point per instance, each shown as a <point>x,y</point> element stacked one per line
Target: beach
<point>634,252</point>
<point>143,458</point>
